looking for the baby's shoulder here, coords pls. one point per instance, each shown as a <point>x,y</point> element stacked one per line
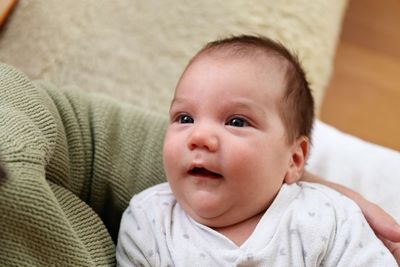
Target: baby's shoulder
<point>321,203</point>
<point>155,198</point>
<point>317,214</point>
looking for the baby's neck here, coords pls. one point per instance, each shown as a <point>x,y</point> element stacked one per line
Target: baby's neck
<point>240,232</point>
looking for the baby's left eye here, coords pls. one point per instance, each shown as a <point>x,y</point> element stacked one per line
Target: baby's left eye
<point>237,122</point>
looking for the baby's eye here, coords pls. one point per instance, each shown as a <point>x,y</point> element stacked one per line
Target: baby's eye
<point>237,122</point>
<point>185,119</point>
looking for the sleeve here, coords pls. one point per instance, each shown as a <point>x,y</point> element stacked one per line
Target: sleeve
<point>136,241</point>
<point>73,161</point>
<point>114,151</point>
<point>356,244</point>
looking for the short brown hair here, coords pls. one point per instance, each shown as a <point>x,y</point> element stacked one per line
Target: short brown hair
<point>297,105</point>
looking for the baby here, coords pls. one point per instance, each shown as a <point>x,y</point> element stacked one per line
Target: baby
<point>234,151</point>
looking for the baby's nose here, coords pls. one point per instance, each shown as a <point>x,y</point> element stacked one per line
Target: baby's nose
<point>204,138</point>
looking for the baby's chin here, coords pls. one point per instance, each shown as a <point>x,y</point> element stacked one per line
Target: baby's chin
<point>215,222</point>
<point>208,213</point>
<point>213,217</point>
<point>218,216</point>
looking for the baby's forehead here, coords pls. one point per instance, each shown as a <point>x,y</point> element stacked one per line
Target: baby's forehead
<point>267,69</point>
<point>256,56</point>
<point>258,62</point>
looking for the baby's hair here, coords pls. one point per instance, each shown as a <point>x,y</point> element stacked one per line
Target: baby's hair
<point>297,105</point>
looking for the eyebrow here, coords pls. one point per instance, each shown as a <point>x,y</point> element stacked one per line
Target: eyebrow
<point>175,100</point>
<point>239,103</point>
<point>246,105</point>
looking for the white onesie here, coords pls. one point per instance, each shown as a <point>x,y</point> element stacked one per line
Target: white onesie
<point>306,225</point>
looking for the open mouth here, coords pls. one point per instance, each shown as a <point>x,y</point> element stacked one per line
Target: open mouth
<point>203,172</point>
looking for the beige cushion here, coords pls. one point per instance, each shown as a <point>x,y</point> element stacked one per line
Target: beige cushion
<point>136,50</point>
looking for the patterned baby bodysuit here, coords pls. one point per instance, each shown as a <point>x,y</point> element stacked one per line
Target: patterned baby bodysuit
<point>306,225</point>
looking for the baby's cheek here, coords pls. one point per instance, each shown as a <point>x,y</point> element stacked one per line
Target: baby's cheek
<point>173,157</point>
<point>168,155</point>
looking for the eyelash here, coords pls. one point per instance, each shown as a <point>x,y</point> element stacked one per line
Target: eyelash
<point>185,119</point>
<point>243,121</point>
<point>181,116</point>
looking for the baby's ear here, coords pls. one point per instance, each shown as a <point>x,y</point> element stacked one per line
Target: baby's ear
<point>297,161</point>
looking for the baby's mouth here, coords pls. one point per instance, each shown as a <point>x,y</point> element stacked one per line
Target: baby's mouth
<point>203,172</point>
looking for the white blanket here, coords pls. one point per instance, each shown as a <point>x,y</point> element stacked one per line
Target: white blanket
<point>372,170</point>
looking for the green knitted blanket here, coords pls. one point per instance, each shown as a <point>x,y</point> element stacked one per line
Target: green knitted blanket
<point>73,160</point>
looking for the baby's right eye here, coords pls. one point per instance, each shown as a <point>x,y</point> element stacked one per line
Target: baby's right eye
<point>185,119</point>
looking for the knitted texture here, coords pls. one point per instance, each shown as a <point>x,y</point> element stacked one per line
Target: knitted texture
<point>73,162</point>
<point>109,46</point>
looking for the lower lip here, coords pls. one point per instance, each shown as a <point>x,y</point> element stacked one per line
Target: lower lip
<point>205,176</point>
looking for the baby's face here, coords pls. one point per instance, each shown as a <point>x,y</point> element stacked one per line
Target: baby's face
<point>225,151</point>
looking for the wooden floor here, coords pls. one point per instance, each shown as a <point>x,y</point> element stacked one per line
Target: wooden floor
<point>5,9</point>
<point>364,94</point>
